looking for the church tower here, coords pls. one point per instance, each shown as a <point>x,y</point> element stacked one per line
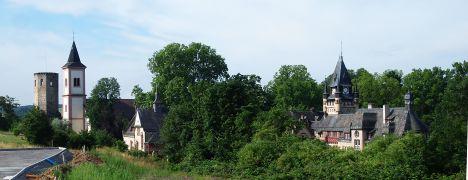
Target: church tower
<point>74,97</point>
<point>339,97</point>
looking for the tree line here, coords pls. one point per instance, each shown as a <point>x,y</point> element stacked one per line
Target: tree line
<point>231,125</point>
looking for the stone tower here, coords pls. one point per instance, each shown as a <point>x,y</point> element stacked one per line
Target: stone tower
<point>46,93</point>
<point>339,97</point>
<point>74,94</point>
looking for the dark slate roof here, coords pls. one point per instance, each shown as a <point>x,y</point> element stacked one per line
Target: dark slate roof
<point>151,122</point>
<point>340,75</point>
<point>400,120</point>
<point>124,108</point>
<point>74,59</point>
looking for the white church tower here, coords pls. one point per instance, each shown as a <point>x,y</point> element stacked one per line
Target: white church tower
<point>74,97</point>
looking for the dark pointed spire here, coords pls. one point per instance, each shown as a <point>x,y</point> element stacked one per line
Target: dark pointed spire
<point>341,75</point>
<point>74,59</point>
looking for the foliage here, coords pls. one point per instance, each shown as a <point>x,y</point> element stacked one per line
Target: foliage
<point>99,108</point>
<point>447,143</point>
<point>293,88</point>
<point>61,135</point>
<point>7,113</point>
<point>102,138</point>
<point>9,140</point>
<point>37,127</point>
<point>84,138</point>
<point>120,145</point>
<point>142,99</point>
<point>178,66</point>
<point>137,153</point>
<point>427,86</point>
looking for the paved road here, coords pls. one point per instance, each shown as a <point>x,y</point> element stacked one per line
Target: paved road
<point>13,160</point>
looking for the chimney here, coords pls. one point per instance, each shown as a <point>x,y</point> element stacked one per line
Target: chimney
<point>385,112</point>
<point>369,105</point>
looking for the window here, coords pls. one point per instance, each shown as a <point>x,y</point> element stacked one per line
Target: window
<point>66,82</point>
<point>50,84</point>
<point>65,108</point>
<point>356,133</point>
<point>76,82</point>
<point>357,144</point>
<point>42,81</point>
<point>35,82</point>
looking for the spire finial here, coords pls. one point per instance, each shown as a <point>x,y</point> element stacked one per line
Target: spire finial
<point>341,49</point>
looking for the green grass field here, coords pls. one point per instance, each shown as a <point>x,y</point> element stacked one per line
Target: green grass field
<point>121,166</point>
<point>8,140</point>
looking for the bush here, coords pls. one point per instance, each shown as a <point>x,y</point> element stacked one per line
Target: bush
<point>120,145</point>
<point>137,153</point>
<point>36,127</point>
<point>102,138</point>
<point>83,139</point>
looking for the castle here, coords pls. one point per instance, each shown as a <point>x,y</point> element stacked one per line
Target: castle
<point>74,95</point>
<point>344,125</point>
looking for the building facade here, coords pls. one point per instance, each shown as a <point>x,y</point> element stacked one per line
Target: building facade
<point>46,93</point>
<point>74,94</point>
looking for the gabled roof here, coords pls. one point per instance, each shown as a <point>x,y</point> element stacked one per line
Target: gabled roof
<point>150,121</point>
<point>340,75</point>
<point>74,59</point>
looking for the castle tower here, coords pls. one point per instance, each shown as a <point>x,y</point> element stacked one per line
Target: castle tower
<point>341,99</point>
<point>46,93</point>
<point>74,96</point>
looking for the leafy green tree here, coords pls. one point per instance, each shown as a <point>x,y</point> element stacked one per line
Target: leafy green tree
<point>99,108</point>
<point>427,86</point>
<point>446,152</point>
<point>37,127</point>
<point>293,88</point>
<point>142,99</point>
<point>177,66</point>
<point>7,113</point>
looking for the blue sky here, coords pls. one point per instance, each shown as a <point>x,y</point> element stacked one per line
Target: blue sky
<point>115,38</point>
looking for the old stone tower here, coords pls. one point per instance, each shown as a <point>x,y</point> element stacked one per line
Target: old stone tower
<point>74,94</point>
<point>46,92</point>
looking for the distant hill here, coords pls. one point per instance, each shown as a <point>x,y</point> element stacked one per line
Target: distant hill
<point>21,111</point>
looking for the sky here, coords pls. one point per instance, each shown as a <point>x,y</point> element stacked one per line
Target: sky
<point>115,38</point>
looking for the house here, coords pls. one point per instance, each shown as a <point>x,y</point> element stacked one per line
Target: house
<point>343,124</point>
<point>143,132</point>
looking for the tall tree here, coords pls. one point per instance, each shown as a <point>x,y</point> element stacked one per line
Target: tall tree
<point>427,86</point>
<point>293,88</point>
<point>177,66</point>
<point>447,143</point>
<point>7,113</point>
<point>100,107</point>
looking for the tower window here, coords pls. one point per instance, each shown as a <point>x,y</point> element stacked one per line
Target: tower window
<point>76,82</point>
<point>66,82</point>
<point>42,81</point>
<point>66,108</point>
<point>50,84</point>
<point>35,82</point>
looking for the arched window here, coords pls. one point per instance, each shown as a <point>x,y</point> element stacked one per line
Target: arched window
<point>66,82</point>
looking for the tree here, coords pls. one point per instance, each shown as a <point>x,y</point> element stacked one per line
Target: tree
<point>99,107</point>
<point>177,66</point>
<point>142,99</point>
<point>7,113</point>
<point>293,88</point>
<point>446,152</point>
<point>427,86</point>
<point>37,127</point>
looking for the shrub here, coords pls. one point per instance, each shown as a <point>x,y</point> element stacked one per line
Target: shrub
<point>102,138</point>
<point>137,153</point>
<point>120,145</point>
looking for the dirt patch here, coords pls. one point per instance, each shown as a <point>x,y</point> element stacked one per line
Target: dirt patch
<point>79,158</point>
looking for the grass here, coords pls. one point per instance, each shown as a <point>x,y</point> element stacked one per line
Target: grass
<point>122,166</point>
<point>8,140</point>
